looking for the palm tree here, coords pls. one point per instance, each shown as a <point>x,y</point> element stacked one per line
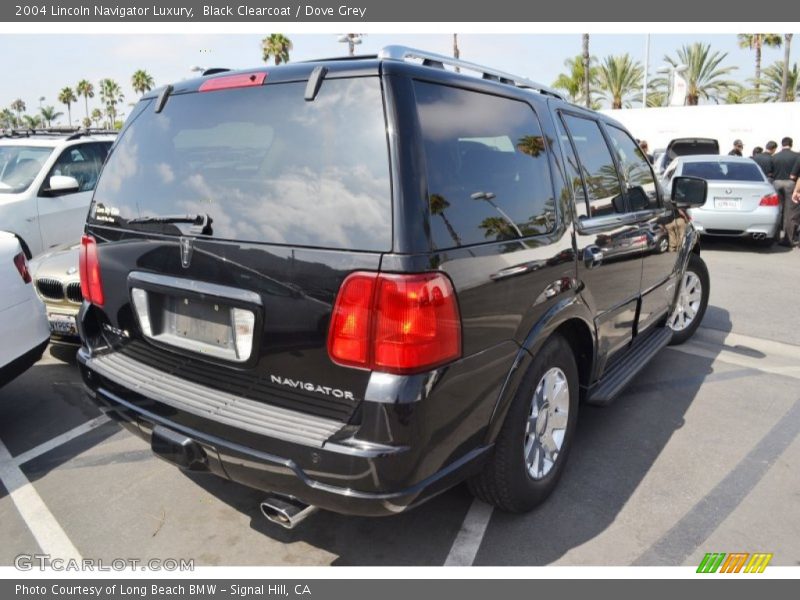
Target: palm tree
<point>756,41</point>
<point>773,78</point>
<point>111,95</point>
<point>142,81</point>
<point>18,106</point>
<point>438,205</point>
<point>619,77</point>
<point>32,121</point>
<point>97,116</point>
<point>85,89</point>
<point>573,80</point>
<point>277,47</point>
<point>787,43</point>
<point>705,77</point>
<point>49,114</point>
<point>586,69</point>
<point>66,96</point>
<point>8,120</point>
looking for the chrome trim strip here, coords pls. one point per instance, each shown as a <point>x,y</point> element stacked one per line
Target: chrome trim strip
<point>180,284</point>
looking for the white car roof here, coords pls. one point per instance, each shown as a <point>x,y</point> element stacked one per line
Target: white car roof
<point>713,158</point>
<point>54,141</point>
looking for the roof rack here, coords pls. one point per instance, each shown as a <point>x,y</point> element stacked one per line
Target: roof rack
<point>73,133</point>
<point>430,59</point>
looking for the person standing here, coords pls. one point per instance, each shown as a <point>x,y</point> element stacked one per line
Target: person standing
<point>764,160</point>
<point>796,196</point>
<point>738,146</point>
<point>784,163</point>
<point>645,150</point>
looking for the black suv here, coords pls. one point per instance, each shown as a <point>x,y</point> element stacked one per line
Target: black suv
<point>355,283</point>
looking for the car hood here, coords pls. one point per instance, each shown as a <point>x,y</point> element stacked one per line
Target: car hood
<point>60,263</point>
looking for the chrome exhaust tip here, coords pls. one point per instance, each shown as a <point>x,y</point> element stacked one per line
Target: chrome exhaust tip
<point>285,511</point>
<point>759,236</point>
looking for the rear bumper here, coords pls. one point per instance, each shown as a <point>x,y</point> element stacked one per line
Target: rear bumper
<point>764,219</point>
<point>314,470</point>
<point>21,364</point>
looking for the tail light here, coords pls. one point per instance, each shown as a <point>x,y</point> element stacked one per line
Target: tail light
<point>227,82</point>
<point>770,200</point>
<point>395,323</point>
<point>22,267</point>
<point>91,283</point>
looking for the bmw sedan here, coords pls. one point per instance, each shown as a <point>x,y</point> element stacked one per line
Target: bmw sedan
<point>741,201</point>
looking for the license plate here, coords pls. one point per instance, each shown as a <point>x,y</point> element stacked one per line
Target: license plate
<point>62,324</point>
<point>728,203</point>
<point>201,322</point>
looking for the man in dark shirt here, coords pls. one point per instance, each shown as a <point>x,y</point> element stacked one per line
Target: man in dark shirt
<point>764,160</point>
<point>738,146</point>
<point>784,163</point>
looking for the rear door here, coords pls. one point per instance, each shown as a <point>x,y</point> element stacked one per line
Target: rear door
<point>609,239</point>
<point>654,221</point>
<point>237,213</point>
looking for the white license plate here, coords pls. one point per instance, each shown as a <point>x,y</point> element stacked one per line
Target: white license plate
<point>62,324</point>
<point>728,203</point>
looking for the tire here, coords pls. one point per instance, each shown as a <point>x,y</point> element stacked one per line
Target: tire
<point>507,480</point>
<point>663,245</point>
<point>692,304</point>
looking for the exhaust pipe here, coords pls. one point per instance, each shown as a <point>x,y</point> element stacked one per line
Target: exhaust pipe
<point>759,236</point>
<point>285,511</point>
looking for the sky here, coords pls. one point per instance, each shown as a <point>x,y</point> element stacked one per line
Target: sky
<point>39,65</point>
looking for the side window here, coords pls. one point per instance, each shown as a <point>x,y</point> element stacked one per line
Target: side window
<point>597,167</point>
<point>487,164</point>
<point>642,191</point>
<point>573,172</point>
<point>82,162</point>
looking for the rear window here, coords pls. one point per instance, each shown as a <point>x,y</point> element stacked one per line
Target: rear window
<point>724,171</point>
<point>262,163</point>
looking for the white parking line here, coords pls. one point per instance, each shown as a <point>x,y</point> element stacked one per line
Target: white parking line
<point>767,356</point>
<point>40,521</point>
<point>468,541</point>
<point>78,431</point>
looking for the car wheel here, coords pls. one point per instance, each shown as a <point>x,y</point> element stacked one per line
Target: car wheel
<point>663,245</point>
<point>692,301</point>
<point>530,452</point>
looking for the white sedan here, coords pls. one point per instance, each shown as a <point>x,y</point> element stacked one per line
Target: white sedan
<point>741,201</point>
<point>24,330</point>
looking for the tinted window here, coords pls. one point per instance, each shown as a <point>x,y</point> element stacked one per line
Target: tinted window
<point>724,171</point>
<point>635,170</point>
<point>597,166</point>
<point>487,164</point>
<point>263,163</point>
<point>573,172</point>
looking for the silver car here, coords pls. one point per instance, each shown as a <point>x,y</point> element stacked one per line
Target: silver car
<point>741,201</point>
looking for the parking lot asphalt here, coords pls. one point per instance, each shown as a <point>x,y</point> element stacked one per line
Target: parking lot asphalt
<point>700,454</point>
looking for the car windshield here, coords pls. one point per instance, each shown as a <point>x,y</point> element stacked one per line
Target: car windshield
<point>19,166</point>
<point>724,171</point>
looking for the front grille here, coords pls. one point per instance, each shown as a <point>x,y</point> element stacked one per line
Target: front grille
<point>191,397</point>
<point>74,292</point>
<point>52,289</point>
<point>252,386</point>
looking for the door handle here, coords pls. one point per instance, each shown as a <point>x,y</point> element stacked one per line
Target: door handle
<point>592,256</point>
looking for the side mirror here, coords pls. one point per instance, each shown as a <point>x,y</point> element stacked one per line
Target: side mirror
<point>689,192</point>
<point>62,184</point>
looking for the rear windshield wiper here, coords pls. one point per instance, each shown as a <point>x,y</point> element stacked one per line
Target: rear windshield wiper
<point>200,223</point>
